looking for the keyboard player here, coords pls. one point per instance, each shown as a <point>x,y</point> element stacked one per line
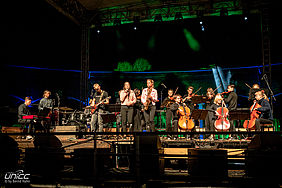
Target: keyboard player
<point>23,110</point>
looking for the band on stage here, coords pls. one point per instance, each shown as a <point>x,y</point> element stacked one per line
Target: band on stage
<point>138,108</point>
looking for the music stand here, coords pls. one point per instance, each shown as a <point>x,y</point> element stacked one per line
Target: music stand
<point>113,107</point>
<point>108,118</point>
<point>239,114</point>
<point>199,114</point>
<point>199,99</point>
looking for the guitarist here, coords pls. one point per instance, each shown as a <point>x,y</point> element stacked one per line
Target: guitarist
<point>127,99</point>
<point>98,95</point>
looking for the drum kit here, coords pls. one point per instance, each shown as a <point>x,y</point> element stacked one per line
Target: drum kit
<point>68,116</point>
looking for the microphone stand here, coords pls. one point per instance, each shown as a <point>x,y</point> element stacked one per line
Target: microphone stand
<point>272,97</point>
<point>58,108</point>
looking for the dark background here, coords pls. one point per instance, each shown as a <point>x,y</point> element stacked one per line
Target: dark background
<point>34,34</point>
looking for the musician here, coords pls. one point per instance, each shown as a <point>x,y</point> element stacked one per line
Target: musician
<point>255,88</point>
<point>46,102</point>
<point>45,108</point>
<point>187,99</point>
<point>210,95</point>
<point>231,102</point>
<point>166,104</point>
<point>23,110</point>
<point>174,108</point>
<point>212,115</point>
<point>98,95</point>
<point>138,115</point>
<point>149,98</point>
<point>128,99</point>
<point>266,116</point>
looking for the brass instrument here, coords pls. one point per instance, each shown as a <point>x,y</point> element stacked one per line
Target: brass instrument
<point>148,99</point>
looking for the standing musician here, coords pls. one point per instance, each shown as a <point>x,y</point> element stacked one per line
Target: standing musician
<point>187,99</point>
<point>128,99</point>
<point>138,115</point>
<point>149,98</point>
<point>168,101</point>
<point>23,110</point>
<point>231,102</point>
<point>96,98</point>
<point>174,109</point>
<point>266,116</point>
<point>45,108</point>
<point>210,95</point>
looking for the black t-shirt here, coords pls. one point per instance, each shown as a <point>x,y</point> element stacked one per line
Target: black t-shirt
<point>231,101</point>
<point>100,96</point>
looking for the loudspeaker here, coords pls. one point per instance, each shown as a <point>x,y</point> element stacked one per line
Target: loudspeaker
<point>266,142</point>
<point>207,163</point>
<point>148,163</point>
<point>84,162</point>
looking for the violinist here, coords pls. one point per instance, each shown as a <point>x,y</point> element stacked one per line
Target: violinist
<point>166,104</point>
<point>266,116</point>
<point>187,99</point>
<point>210,96</point>
<point>174,108</point>
<point>149,98</point>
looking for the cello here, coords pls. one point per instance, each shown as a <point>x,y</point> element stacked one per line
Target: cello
<point>222,123</point>
<point>185,122</point>
<point>250,124</point>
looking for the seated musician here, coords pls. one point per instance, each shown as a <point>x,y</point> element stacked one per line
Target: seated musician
<point>211,114</point>
<point>255,88</point>
<point>266,116</point>
<point>166,104</point>
<point>23,110</point>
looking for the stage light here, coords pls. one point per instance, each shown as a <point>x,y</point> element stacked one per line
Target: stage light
<point>158,18</point>
<point>203,28</point>
<point>98,31</point>
<point>245,18</point>
<point>201,22</point>
<point>135,28</point>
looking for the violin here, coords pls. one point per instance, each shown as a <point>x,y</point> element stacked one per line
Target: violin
<point>222,123</point>
<point>225,93</point>
<point>250,124</point>
<point>185,122</point>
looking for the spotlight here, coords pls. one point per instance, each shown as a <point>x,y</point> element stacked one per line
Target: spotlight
<point>98,31</point>
<point>245,18</point>
<point>201,22</point>
<point>135,28</point>
<point>158,18</point>
<point>203,28</point>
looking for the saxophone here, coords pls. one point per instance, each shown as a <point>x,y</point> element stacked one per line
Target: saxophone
<point>148,100</point>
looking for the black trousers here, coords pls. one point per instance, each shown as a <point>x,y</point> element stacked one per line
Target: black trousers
<point>138,120</point>
<point>31,126</point>
<point>260,121</point>
<point>169,116</point>
<point>149,118</point>
<point>126,116</point>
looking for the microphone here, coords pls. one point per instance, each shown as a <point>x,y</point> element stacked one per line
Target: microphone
<point>163,85</point>
<point>263,77</point>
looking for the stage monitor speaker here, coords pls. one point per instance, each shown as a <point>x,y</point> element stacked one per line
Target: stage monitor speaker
<point>207,163</point>
<point>148,162</point>
<point>84,162</point>
<point>266,141</point>
<point>263,157</point>
<point>66,128</point>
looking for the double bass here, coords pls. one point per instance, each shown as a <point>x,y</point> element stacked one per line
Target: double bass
<point>222,123</point>
<point>185,122</point>
<point>250,124</point>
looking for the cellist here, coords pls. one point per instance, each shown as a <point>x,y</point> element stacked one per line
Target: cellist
<point>265,109</point>
<point>212,113</point>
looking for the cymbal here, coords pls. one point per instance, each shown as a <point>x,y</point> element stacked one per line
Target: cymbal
<point>65,108</point>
